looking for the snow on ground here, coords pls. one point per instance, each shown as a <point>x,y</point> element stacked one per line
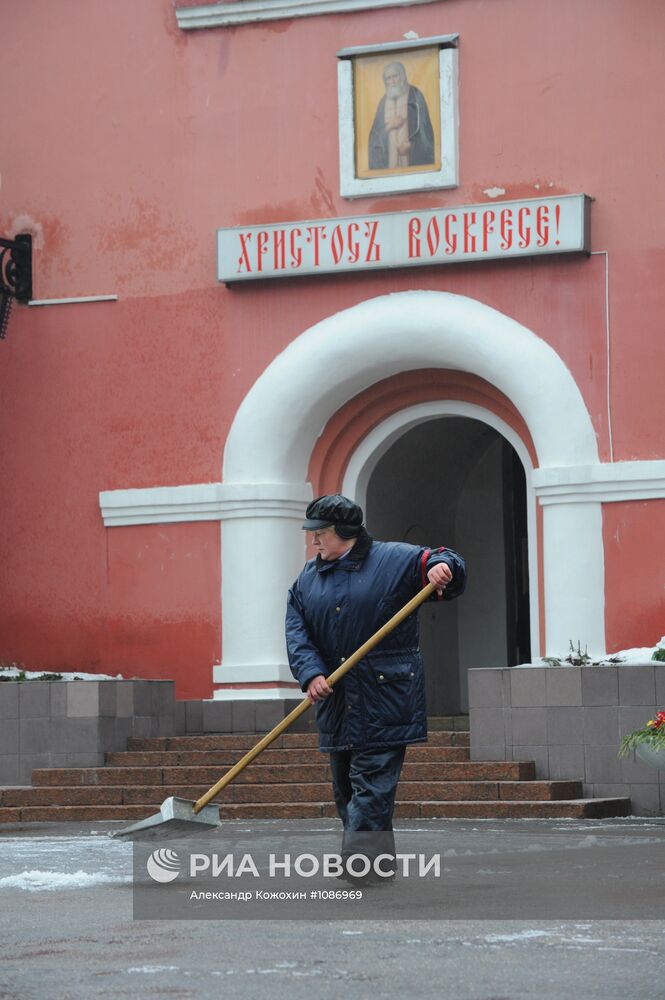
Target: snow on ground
<point>153,970</point>
<point>50,864</point>
<point>51,881</point>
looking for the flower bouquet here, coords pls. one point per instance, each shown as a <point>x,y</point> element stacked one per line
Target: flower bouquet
<point>651,737</point>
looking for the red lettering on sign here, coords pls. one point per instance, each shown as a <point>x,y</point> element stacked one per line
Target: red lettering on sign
<point>450,236</point>
<point>488,228</point>
<point>469,238</point>
<point>373,248</point>
<point>316,233</point>
<point>433,236</point>
<point>542,225</point>
<point>414,237</point>
<point>244,256</point>
<point>528,227</point>
<point>354,246</point>
<point>279,249</point>
<point>296,252</point>
<point>261,249</point>
<point>337,244</point>
<point>523,227</point>
<point>506,225</point>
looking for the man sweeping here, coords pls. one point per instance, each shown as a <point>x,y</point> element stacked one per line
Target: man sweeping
<point>341,598</point>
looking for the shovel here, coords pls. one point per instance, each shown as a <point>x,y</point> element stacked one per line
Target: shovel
<point>179,817</point>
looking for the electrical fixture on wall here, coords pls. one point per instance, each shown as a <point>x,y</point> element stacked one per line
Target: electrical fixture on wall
<point>15,275</point>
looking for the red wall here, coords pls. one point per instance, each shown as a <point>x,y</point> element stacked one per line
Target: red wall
<point>635,578</point>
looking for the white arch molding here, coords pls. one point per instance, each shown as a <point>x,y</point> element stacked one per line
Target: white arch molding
<point>277,424</point>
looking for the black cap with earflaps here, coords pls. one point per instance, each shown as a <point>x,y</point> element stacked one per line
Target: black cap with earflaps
<point>334,510</point>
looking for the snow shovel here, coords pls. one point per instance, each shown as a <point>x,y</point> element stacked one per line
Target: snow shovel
<point>179,817</point>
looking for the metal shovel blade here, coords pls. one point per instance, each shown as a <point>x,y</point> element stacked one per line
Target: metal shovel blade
<point>176,818</point>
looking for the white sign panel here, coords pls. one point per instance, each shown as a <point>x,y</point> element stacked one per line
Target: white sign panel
<point>489,231</point>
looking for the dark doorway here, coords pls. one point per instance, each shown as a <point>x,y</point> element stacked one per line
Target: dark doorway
<point>456,481</point>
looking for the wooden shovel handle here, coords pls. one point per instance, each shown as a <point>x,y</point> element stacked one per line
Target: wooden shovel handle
<point>373,641</point>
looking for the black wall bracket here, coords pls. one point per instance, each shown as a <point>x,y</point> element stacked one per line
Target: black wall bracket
<point>15,275</point>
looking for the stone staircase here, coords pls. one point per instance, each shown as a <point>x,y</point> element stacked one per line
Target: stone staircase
<point>291,780</point>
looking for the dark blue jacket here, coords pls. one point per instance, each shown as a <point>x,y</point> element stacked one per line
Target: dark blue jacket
<point>333,608</point>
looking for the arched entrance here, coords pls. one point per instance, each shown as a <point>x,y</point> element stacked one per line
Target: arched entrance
<point>457,480</point>
<point>277,425</point>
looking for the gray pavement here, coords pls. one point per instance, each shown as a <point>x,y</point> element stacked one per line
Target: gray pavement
<point>530,909</point>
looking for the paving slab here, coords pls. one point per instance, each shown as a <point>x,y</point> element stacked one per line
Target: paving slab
<point>532,909</point>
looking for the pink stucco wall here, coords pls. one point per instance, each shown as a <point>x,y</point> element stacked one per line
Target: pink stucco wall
<point>131,141</point>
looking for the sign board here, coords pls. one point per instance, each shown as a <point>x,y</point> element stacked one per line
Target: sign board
<point>489,231</point>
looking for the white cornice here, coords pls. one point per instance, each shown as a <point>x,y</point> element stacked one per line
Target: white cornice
<point>608,483</point>
<point>618,481</point>
<point>225,15</point>
<point>442,41</point>
<point>202,502</point>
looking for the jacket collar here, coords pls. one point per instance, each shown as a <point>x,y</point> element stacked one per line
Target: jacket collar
<point>355,557</point>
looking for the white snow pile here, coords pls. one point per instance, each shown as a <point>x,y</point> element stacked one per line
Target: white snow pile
<point>637,656</point>
<point>50,881</point>
<point>33,675</point>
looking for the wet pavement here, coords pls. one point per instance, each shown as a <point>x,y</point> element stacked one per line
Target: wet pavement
<point>529,909</point>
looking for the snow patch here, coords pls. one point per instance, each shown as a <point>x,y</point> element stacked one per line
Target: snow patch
<point>152,970</point>
<point>518,936</point>
<point>643,951</point>
<point>50,881</point>
<point>637,656</point>
<point>454,852</point>
<point>639,653</point>
<point>32,675</point>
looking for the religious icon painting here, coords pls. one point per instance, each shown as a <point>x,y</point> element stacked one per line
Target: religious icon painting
<point>395,100</point>
<point>398,117</point>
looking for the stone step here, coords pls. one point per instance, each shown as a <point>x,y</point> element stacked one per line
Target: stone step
<point>226,758</point>
<point>70,795</point>
<point>97,776</point>
<point>224,741</point>
<point>456,723</point>
<point>490,809</point>
<point>258,774</point>
<point>506,809</point>
<point>407,791</point>
<point>291,780</point>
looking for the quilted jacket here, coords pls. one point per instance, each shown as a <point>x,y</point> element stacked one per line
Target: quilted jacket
<point>333,608</point>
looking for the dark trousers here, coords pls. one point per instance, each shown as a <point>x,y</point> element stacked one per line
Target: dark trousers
<point>364,786</point>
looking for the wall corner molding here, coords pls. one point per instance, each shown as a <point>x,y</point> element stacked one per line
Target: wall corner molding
<point>227,15</point>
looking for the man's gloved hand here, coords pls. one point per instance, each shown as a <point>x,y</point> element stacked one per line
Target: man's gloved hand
<point>318,689</point>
